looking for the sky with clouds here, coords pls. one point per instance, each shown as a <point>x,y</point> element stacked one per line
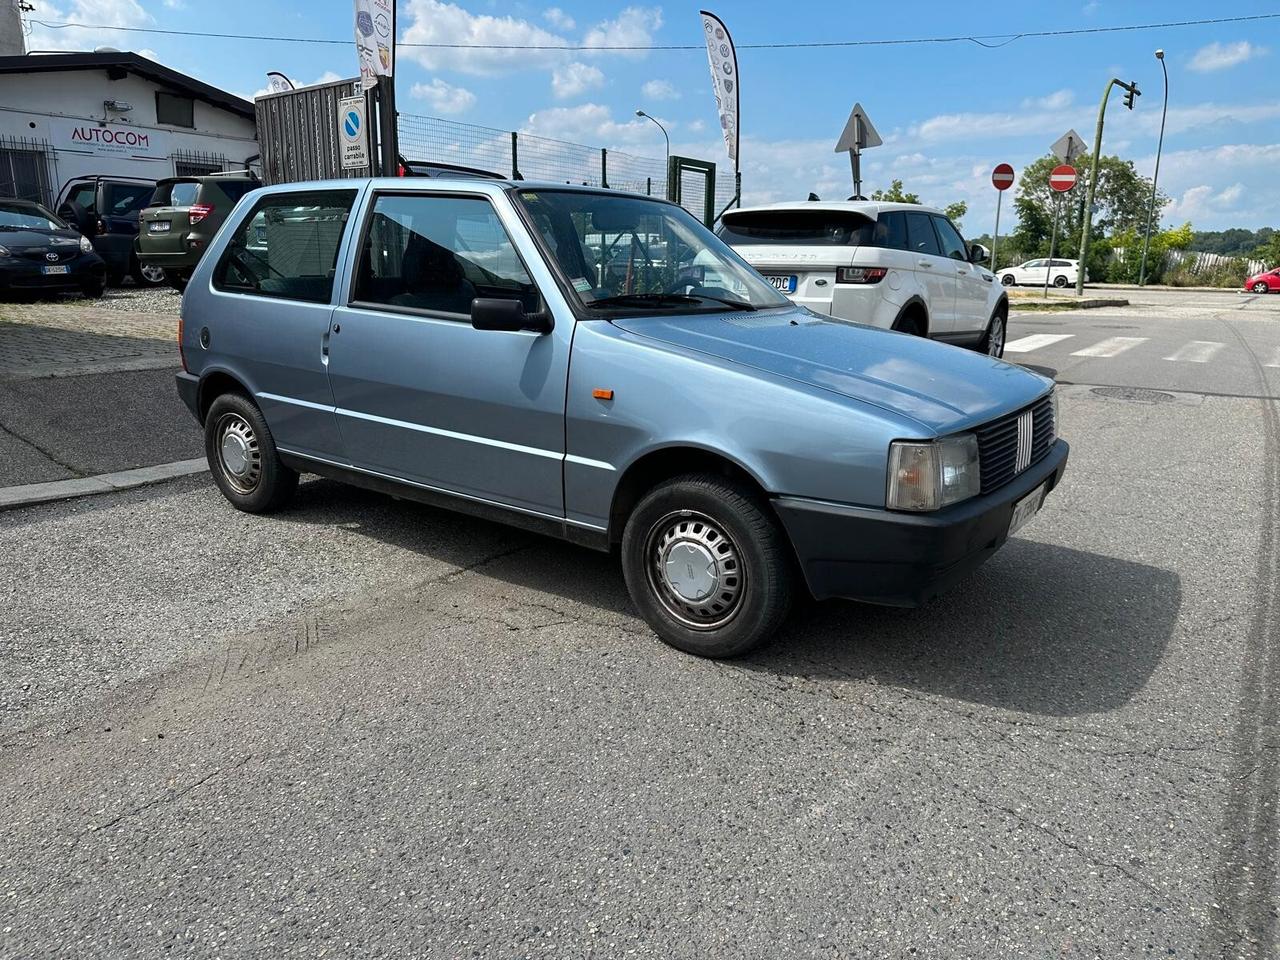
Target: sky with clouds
<point>948,112</point>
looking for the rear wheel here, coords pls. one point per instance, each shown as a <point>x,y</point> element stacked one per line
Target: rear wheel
<point>708,565</point>
<point>911,322</point>
<point>146,275</point>
<point>242,456</point>
<point>1260,287</point>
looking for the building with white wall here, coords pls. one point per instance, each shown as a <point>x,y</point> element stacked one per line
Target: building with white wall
<point>68,115</point>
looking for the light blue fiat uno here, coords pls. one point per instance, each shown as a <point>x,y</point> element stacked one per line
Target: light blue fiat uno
<point>599,367</point>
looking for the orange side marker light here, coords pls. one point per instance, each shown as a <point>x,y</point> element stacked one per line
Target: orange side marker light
<point>602,394</point>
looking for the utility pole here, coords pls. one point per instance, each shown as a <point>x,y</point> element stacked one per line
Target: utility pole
<point>1132,92</point>
<point>1151,209</point>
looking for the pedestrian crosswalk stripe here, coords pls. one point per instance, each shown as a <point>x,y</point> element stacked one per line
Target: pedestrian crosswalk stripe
<point>1111,347</point>
<point>1035,342</point>
<point>1197,351</point>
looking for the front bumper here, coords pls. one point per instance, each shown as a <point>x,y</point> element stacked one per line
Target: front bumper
<point>905,559</point>
<point>17,273</point>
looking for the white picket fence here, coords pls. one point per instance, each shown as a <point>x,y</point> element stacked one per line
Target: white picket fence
<point>1207,261</point>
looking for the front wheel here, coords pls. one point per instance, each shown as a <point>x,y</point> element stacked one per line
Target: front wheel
<point>1059,281</point>
<point>1007,280</point>
<point>242,456</point>
<point>93,289</point>
<point>708,565</point>
<point>1260,287</point>
<point>992,342</point>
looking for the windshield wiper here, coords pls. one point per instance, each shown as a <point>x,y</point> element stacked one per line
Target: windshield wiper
<point>666,299</point>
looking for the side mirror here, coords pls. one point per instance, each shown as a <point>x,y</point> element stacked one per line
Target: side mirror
<point>493,313</point>
<point>978,253</point>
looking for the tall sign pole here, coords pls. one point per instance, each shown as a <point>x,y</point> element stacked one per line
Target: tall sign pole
<point>859,134</point>
<point>375,32</point>
<point>1002,180</point>
<point>1062,179</point>
<point>1132,91</point>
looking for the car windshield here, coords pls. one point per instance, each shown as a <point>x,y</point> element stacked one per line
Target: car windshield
<point>621,253</point>
<point>20,216</point>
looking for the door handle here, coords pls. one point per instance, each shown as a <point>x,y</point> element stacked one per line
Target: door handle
<point>962,271</point>
<point>925,263</point>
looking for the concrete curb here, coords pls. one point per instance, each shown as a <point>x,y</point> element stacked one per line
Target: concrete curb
<point>29,494</point>
<point>1087,303</point>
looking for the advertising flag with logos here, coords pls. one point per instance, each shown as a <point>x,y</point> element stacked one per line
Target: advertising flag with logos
<point>277,82</point>
<point>724,78</point>
<point>375,27</point>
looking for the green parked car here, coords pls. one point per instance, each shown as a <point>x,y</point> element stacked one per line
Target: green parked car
<point>183,216</point>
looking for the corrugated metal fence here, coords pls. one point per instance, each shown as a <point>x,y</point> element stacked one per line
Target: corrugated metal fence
<point>298,133</point>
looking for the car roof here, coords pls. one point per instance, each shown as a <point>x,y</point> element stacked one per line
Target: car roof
<point>868,208</point>
<point>107,176</point>
<point>441,184</point>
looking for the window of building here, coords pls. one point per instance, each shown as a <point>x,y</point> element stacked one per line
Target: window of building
<point>287,246</point>
<point>439,253</point>
<point>175,109</point>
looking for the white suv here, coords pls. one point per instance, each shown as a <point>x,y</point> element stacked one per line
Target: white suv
<point>1061,273</point>
<point>895,265</point>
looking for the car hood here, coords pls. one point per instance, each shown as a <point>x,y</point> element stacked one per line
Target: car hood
<point>24,239</point>
<point>941,387</point>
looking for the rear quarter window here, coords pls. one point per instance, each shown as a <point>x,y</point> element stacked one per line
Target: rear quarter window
<point>806,228</point>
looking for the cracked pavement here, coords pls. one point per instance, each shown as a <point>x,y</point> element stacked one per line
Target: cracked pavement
<point>366,728</point>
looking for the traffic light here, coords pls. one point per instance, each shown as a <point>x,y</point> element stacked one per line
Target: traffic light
<point>1133,92</point>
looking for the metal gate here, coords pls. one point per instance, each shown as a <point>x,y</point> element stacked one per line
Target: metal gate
<point>298,133</point>
<point>25,169</point>
<point>692,184</point>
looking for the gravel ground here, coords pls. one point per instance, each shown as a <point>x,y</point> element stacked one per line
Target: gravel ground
<point>128,298</point>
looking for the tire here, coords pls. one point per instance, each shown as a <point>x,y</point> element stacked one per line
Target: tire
<point>992,342</point>
<point>1260,287</point>
<point>1059,281</point>
<point>909,323</point>
<point>704,519</point>
<point>146,276</point>
<point>176,280</point>
<point>93,289</point>
<point>242,456</point>
<point>1007,280</point>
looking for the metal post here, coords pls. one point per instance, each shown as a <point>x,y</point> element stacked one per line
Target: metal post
<point>1053,245</point>
<point>1151,209</point>
<point>515,156</point>
<point>390,150</point>
<point>1088,200</point>
<point>855,156</point>
<point>648,186</point>
<point>604,167</point>
<point>995,239</point>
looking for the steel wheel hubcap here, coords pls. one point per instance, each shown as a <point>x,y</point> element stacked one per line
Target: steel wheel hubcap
<point>695,570</point>
<point>238,453</point>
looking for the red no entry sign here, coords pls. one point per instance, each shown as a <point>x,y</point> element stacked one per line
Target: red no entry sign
<point>1002,177</point>
<point>1063,177</point>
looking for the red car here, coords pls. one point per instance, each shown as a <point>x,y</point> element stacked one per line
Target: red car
<point>1266,282</point>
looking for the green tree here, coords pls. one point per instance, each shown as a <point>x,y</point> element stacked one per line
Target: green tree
<point>1269,252</point>
<point>895,194</point>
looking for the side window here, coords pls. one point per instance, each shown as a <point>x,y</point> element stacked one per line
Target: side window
<point>1034,264</point>
<point>920,235</point>
<point>952,242</point>
<point>81,195</point>
<point>439,253</point>
<point>891,230</point>
<point>287,246</point>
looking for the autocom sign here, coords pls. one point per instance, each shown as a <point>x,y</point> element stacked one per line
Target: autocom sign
<point>109,139</point>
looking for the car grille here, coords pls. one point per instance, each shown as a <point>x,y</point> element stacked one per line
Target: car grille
<point>62,255</point>
<point>1003,454</point>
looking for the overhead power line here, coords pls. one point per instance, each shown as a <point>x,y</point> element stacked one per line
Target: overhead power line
<point>986,40</point>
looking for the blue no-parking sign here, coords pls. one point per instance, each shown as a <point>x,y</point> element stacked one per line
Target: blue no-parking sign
<point>352,136</point>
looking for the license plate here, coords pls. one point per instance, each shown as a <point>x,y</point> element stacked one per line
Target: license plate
<point>1026,508</point>
<point>787,284</point>
<point>158,226</point>
<point>50,271</point>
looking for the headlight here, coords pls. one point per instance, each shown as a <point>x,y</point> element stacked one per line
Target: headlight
<point>4,251</point>
<point>931,474</point>
<point>85,245</point>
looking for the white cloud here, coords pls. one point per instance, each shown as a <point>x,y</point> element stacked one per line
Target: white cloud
<point>1220,56</point>
<point>1202,202</point>
<point>592,123</point>
<point>175,4</point>
<point>558,18</point>
<point>695,126</point>
<point>432,21</point>
<point>1058,100</point>
<point>109,13</point>
<point>660,90</point>
<point>633,27</point>
<point>444,97</point>
<point>575,78</point>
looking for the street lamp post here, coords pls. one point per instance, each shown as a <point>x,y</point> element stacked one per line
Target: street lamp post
<point>1151,210</point>
<point>641,113</point>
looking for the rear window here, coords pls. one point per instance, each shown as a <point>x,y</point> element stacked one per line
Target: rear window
<point>806,228</point>
<point>180,193</point>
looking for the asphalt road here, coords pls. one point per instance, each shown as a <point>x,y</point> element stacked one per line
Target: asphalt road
<point>367,728</point>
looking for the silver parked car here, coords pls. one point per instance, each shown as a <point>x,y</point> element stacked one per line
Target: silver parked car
<point>599,367</point>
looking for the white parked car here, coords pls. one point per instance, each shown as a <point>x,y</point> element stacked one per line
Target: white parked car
<point>899,266</point>
<point>1060,273</point>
